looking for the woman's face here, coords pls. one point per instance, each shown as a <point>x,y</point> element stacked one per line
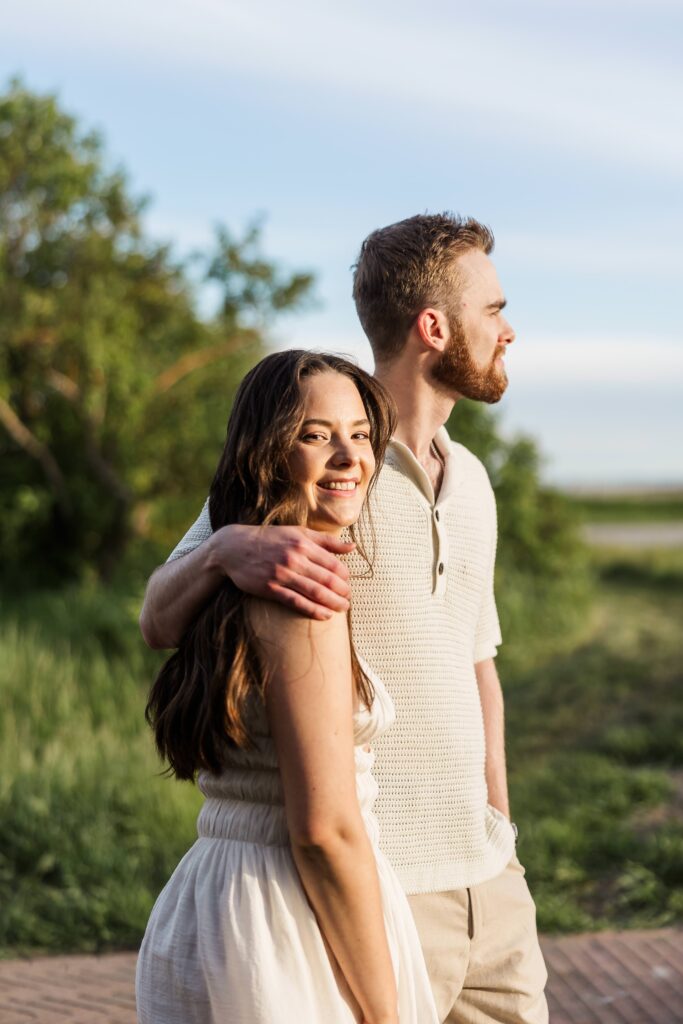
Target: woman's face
<point>332,458</point>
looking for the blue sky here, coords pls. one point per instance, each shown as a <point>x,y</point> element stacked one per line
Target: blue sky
<point>556,123</point>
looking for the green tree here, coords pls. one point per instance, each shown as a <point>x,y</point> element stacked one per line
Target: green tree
<point>113,390</point>
<point>543,580</point>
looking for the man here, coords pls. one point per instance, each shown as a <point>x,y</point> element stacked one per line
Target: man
<point>429,300</point>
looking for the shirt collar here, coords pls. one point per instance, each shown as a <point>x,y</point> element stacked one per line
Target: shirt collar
<point>400,455</point>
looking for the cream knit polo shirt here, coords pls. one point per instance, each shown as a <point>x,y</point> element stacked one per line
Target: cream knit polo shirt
<point>422,620</point>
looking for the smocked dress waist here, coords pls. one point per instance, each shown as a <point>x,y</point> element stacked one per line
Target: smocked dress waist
<point>246,803</point>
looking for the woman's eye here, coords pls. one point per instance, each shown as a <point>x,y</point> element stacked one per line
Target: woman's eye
<point>313,437</point>
<point>362,436</point>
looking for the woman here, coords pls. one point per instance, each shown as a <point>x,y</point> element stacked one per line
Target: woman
<point>284,909</point>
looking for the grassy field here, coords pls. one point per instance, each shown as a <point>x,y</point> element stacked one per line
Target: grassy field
<point>648,507</point>
<point>595,753</point>
<point>90,831</point>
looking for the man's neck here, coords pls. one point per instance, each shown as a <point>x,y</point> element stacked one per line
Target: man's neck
<point>422,410</point>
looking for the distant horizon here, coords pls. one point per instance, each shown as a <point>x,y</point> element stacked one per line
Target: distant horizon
<point>625,490</point>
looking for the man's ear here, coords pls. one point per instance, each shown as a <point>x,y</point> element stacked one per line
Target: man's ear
<point>433,328</point>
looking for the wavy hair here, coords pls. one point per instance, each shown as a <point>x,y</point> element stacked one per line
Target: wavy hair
<point>198,705</point>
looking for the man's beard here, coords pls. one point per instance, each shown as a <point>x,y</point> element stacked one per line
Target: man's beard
<point>456,370</point>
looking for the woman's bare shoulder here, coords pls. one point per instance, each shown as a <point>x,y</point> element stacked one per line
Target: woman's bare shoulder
<point>266,617</point>
<point>278,629</point>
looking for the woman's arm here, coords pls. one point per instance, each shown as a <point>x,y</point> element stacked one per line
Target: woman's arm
<point>310,700</point>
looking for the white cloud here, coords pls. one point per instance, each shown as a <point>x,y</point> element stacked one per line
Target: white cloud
<point>599,254</point>
<point>560,362</point>
<point>520,83</point>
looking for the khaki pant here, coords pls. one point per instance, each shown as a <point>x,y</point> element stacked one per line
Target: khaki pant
<point>482,951</point>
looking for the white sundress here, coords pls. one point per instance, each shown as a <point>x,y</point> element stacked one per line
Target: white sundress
<point>232,938</point>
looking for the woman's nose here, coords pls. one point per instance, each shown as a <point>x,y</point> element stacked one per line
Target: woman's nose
<point>344,455</point>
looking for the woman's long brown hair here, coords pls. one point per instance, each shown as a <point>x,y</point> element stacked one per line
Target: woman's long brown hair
<point>198,704</point>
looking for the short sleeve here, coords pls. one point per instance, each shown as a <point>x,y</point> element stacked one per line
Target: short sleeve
<point>199,532</point>
<point>487,635</point>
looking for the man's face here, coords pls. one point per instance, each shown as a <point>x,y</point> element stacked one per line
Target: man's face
<point>472,363</point>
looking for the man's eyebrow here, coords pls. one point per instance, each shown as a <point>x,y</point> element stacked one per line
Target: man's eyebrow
<point>498,304</point>
<point>326,423</point>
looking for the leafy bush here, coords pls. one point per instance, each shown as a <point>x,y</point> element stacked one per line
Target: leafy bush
<point>543,577</point>
<point>114,391</point>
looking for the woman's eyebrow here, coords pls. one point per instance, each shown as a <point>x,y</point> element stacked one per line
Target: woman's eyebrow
<point>326,423</point>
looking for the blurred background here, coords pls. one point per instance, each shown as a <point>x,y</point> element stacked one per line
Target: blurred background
<point>185,187</point>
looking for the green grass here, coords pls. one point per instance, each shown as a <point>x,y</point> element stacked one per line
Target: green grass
<point>595,755</point>
<point>645,508</point>
<point>89,831</point>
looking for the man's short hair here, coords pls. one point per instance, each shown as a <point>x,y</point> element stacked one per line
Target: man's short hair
<point>408,266</point>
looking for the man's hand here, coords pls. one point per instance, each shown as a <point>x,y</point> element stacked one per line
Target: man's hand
<point>290,564</point>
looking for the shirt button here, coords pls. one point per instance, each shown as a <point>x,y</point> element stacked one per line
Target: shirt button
<point>441,568</point>
<point>436,515</point>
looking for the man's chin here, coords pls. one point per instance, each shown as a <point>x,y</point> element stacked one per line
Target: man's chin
<point>489,394</point>
<point>475,386</point>
<point>500,390</point>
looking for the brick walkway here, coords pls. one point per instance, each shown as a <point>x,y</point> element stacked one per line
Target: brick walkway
<point>609,978</point>
<point>616,977</point>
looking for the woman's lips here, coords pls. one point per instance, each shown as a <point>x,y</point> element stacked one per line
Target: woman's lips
<point>341,492</point>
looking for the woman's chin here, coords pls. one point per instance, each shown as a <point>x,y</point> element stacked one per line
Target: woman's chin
<point>333,523</point>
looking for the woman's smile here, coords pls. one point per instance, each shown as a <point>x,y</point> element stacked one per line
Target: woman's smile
<point>333,460</point>
<point>340,488</point>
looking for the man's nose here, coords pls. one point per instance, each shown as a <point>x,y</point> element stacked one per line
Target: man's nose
<point>507,335</point>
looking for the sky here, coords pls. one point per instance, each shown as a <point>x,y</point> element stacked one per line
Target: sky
<point>556,123</point>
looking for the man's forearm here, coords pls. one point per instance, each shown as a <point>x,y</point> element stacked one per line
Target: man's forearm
<point>291,564</point>
<point>177,592</point>
<point>492,705</point>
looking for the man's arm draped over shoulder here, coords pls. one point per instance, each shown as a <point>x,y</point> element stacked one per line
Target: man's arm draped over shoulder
<point>179,589</point>
<point>290,564</point>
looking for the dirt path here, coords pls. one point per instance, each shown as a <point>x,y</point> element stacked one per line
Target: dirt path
<point>610,978</point>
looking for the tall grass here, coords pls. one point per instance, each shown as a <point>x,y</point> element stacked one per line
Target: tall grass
<point>89,830</point>
<point>595,755</point>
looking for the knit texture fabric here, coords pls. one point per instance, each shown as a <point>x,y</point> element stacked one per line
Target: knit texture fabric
<point>422,619</point>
